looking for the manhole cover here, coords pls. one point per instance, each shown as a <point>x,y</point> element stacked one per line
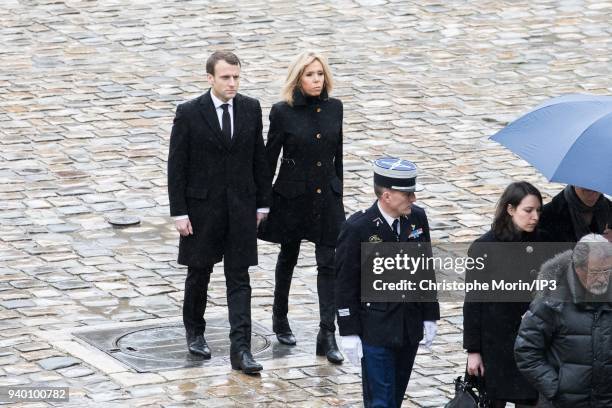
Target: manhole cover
<point>156,348</point>
<point>123,220</point>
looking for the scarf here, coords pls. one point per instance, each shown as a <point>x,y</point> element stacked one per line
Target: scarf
<point>577,208</point>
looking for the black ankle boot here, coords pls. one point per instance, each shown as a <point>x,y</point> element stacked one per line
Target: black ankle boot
<point>326,346</point>
<point>283,331</point>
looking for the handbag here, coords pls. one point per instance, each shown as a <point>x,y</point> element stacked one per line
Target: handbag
<point>469,393</point>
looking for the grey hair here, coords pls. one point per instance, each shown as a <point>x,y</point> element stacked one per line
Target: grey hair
<point>585,246</point>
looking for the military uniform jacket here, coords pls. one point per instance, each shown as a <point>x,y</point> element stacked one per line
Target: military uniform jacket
<point>307,195</point>
<point>218,182</point>
<point>378,324</point>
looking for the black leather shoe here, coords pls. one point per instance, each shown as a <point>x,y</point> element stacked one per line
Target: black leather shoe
<point>243,360</point>
<point>283,331</point>
<point>326,346</point>
<point>286,338</point>
<point>198,346</point>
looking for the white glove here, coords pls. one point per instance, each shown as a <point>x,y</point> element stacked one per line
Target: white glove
<point>351,346</point>
<point>430,328</point>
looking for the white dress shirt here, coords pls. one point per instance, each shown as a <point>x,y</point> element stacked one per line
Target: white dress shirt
<point>388,218</point>
<point>218,102</point>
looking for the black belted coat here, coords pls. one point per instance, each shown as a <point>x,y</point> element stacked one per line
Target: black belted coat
<point>307,194</point>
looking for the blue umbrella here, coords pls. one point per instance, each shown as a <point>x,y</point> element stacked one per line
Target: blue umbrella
<point>569,139</point>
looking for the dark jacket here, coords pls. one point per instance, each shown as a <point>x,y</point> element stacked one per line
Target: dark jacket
<point>217,182</point>
<point>378,324</point>
<point>490,328</point>
<point>557,221</point>
<point>307,197</point>
<point>564,346</point>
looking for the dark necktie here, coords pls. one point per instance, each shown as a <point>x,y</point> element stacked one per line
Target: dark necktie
<point>394,226</point>
<point>226,125</point>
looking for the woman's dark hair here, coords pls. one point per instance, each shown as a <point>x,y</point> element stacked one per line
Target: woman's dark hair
<point>502,226</point>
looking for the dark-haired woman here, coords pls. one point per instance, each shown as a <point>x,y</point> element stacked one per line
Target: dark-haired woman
<point>490,328</point>
<point>307,197</point>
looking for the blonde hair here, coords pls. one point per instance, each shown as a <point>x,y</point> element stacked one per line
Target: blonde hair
<point>296,69</point>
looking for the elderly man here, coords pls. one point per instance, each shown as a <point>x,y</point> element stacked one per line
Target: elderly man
<point>564,346</point>
<point>385,334</point>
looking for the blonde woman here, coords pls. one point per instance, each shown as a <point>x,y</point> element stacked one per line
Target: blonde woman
<point>307,199</point>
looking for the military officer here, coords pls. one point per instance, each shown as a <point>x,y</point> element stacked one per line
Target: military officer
<point>385,336</point>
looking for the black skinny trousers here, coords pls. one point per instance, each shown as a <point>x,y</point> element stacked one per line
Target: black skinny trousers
<point>287,259</point>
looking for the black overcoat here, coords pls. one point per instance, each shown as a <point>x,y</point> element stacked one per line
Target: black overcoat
<point>490,328</point>
<point>557,220</point>
<point>219,183</point>
<point>307,194</point>
<point>385,324</point>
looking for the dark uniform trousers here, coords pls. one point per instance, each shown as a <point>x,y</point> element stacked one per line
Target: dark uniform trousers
<point>385,374</point>
<point>238,303</point>
<point>287,259</point>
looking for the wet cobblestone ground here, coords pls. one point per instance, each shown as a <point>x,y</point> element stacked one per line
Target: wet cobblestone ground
<point>87,96</point>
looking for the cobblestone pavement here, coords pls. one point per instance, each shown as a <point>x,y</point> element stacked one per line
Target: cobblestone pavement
<point>87,95</point>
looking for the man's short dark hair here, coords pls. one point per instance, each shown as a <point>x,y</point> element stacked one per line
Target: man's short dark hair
<point>379,190</point>
<point>217,56</point>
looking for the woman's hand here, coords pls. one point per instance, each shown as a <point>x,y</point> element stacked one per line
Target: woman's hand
<point>475,365</point>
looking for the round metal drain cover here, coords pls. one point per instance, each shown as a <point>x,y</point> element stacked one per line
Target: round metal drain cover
<point>123,220</point>
<point>166,344</point>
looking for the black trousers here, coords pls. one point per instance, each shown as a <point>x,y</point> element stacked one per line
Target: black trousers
<point>238,304</point>
<point>287,259</point>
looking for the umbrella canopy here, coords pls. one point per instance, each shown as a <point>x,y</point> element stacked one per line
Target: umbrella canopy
<point>568,139</point>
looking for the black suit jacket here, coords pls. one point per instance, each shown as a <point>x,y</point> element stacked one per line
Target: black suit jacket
<point>378,324</point>
<point>218,182</point>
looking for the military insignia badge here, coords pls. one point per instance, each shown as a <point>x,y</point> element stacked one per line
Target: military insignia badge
<point>415,233</point>
<point>375,238</point>
<point>378,221</point>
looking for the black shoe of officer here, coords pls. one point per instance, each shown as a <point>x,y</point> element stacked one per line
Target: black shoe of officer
<point>283,331</point>
<point>196,344</point>
<point>326,346</point>
<point>244,361</point>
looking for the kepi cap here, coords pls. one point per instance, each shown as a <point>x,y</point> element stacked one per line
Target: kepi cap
<point>396,174</point>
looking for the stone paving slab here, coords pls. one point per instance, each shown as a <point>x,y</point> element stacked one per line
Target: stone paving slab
<point>88,90</point>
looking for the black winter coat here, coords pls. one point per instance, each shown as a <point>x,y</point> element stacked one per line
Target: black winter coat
<point>564,346</point>
<point>490,328</point>
<point>557,220</point>
<point>383,324</point>
<point>217,182</point>
<point>307,194</point>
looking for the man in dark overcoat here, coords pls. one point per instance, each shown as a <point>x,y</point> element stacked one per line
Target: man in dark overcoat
<point>219,189</point>
<point>576,212</point>
<point>385,334</point>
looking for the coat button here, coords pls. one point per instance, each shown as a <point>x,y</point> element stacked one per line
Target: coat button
<point>318,191</point>
<point>319,164</point>
<point>318,109</point>
<point>318,136</point>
